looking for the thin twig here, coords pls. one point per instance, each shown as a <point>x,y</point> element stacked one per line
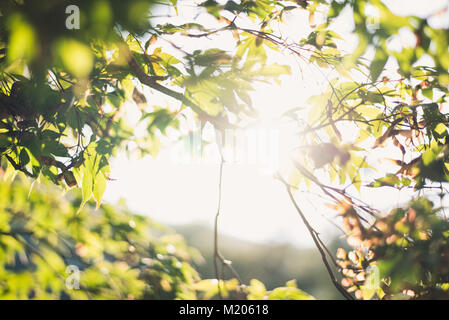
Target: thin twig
<point>216,254</point>
<point>317,242</point>
<point>218,257</point>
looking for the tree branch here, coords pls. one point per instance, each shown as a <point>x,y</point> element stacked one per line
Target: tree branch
<point>317,241</point>
<point>151,81</point>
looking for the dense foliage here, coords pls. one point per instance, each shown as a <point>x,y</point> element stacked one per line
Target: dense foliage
<point>45,240</point>
<point>120,255</point>
<point>402,255</point>
<point>64,91</point>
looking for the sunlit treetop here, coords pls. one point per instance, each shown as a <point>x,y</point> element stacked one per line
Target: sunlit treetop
<point>63,90</point>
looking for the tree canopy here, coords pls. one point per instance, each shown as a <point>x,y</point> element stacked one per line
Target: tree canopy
<point>64,92</point>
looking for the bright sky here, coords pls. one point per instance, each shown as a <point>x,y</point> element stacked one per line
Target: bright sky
<point>255,206</point>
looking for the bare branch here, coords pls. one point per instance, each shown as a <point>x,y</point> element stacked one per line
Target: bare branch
<point>317,241</point>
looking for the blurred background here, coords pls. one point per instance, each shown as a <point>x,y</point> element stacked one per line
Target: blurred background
<point>272,263</point>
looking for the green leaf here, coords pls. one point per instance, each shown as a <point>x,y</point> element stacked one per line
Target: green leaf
<point>76,56</point>
<point>428,93</point>
<point>288,293</point>
<point>256,290</point>
<point>24,158</point>
<point>275,70</point>
<point>99,188</point>
<point>378,63</point>
<point>86,188</point>
<point>428,156</point>
<point>174,3</point>
<point>55,148</point>
<point>440,128</point>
